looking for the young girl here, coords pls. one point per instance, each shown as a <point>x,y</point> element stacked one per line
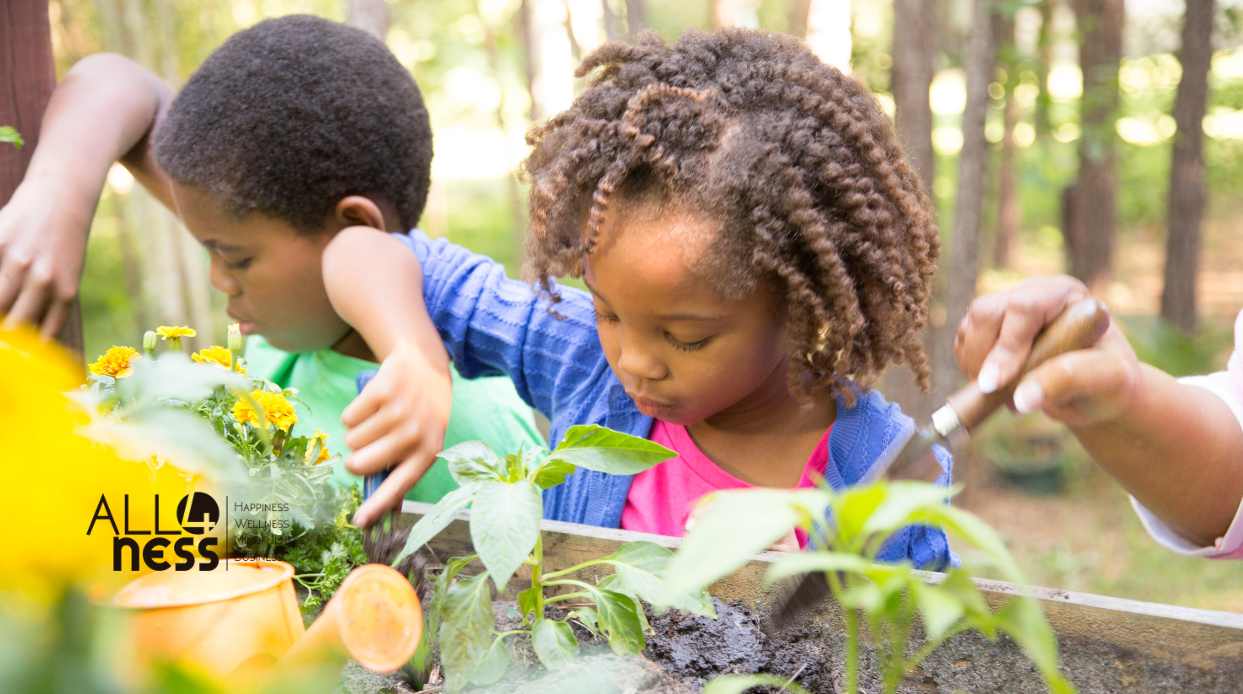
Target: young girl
<point>755,251</point>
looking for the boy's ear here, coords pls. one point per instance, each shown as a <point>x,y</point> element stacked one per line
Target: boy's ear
<point>356,210</point>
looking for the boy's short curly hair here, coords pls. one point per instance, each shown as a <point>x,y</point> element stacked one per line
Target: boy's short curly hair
<point>293,114</point>
<point>794,159</point>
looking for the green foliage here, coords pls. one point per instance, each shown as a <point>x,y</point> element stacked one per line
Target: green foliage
<point>888,597</point>
<point>503,495</point>
<point>1162,345</point>
<point>9,135</point>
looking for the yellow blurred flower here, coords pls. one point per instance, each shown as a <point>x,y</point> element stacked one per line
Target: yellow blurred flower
<point>57,477</point>
<point>215,354</point>
<point>318,442</point>
<point>277,410</point>
<point>117,362</point>
<point>167,332</point>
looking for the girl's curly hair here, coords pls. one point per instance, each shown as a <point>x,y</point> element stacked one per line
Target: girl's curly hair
<point>795,160</point>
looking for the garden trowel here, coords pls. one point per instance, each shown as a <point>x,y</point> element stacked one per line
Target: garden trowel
<point>1079,326</point>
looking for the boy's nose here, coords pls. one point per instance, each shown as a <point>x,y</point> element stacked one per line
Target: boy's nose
<point>222,280</point>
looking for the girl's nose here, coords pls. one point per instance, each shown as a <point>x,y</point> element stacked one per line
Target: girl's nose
<point>640,364</point>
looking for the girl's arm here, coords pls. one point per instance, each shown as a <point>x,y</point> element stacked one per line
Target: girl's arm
<point>101,113</point>
<point>1177,448</point>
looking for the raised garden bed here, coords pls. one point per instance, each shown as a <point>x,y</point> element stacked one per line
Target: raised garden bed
<point>1107,644</point>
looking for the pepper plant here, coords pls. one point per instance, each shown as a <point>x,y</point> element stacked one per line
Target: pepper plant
<point>847,530</point>
<point>503,494</point>
<point>9,134</point>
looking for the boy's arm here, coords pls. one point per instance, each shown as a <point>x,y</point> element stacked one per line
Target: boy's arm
<point>102,112</point>
<point>376,285</point>
<point>1176,447</point>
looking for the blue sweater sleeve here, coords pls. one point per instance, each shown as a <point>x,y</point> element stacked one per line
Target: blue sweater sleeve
<point>492,324</point>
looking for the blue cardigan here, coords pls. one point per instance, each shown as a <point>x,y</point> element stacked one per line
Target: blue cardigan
<point>492,325</point>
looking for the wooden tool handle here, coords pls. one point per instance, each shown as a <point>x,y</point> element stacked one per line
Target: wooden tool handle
<point>1078,326</point>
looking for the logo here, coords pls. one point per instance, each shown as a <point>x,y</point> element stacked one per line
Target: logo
<point>180,548</point>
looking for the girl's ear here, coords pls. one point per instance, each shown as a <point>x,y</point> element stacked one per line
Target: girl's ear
<point>356,211</point>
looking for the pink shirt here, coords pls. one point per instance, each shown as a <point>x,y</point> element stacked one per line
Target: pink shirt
<point>662,497</point>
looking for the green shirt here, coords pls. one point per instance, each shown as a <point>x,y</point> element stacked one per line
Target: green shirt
<point>483,409</point>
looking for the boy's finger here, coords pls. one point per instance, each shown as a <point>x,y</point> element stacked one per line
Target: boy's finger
<point>30,305</point>
<point>370,429</point>
<point>392,491</point>
<point>54,319</point>
<point>365,404</point>
<point>384,453</point>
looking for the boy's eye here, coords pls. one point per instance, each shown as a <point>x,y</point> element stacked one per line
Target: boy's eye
<point>239,264</point>
<point>687,346</point>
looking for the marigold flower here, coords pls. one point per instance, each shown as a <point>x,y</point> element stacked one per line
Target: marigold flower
<point>168,332</point>
<point>276,409</point>
<point>215,354</point>
<point>117,362</point>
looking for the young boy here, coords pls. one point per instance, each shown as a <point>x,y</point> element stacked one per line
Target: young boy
<point>289,132</point>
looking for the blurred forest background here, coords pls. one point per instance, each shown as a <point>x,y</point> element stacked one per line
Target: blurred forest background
<point>1098,137</point>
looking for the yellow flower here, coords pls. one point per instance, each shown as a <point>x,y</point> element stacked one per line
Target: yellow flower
<point>317,442</point>
<point>276,409</point>
<point>117,362</point>
<point>215,354</point>
<point>168,332</point>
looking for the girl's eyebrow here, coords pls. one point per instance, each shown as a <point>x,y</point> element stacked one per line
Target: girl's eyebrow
<point>663,316</point>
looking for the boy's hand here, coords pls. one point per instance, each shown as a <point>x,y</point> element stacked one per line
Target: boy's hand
<point>1080,389</point>
<point>42,247</point>
<point>398,422</point>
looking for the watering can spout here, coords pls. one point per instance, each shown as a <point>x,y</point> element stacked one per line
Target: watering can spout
<point>374,618</point>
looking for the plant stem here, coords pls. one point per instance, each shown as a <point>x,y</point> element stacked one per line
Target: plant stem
<point>852,633</point>
<point>576,568</point>
<point>567,596</point>
<point>537,582</point>
<point>571,582</point>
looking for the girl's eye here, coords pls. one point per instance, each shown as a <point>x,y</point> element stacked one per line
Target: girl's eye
<point>687,346</point>
<point>606,317</point>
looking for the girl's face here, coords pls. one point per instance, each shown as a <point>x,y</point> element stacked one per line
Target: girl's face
<point>269,271</point>
<point>683,352</point>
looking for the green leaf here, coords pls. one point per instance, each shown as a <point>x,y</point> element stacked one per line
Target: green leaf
<point>554,643</point>
<point>587,617</point>
<point>466,632</point>
<point>851,511</point>
<point>733,527</point>
<point>639,567</point>
<point>436,606</point>
<point>1022,619</point>
<point>527,601</point>
<point>901,500</point>
<point>472,461</point>
<point>492,666</point>
<point>939,609</point>
<point>604,450</point>
<point>10,135</point>
<point>172,376</point>
<point>504,525</point>
<point>737,684</point>
<point>436,520</point>
<point>552,473</point>
<point>794,564</point>
<point>618,616</point>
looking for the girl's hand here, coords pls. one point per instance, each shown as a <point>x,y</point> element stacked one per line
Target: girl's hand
<point>42,247</point>
<point>398,422</point>
<point>1080,389</point>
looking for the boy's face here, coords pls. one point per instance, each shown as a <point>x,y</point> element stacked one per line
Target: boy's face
<point>269,271</point>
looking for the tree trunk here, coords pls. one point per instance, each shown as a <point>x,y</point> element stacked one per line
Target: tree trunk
<point>516,209</point>
<point>1187,193</point>
<point>1007,200</point>
<point>964,257</point>
<point>636,16</point>
<point>797,13</point>
<point>27,79</point>
<point>372,16</point>
<point>914,64</point>
<point>1092,216</point>
<point>1044,60</point>
<point>612,23</point>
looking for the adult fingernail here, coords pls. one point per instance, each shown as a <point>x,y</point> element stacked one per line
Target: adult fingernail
<point>987,380</point>
<point>1028,397</point>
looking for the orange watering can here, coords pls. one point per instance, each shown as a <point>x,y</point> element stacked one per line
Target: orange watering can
<point>244,617</point>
